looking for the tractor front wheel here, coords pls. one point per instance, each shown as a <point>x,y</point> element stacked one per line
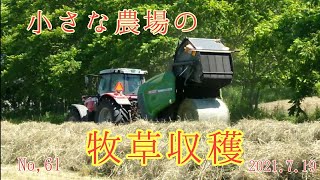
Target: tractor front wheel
<point>73,115</point>
<point>110,111</point>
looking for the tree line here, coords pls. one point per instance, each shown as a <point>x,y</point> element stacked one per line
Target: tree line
<point>279,43</point>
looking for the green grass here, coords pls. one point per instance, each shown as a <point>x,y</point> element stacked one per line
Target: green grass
<point>46,117</point>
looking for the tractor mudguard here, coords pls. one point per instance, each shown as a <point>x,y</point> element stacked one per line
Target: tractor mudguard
<point>120,99</point>
<point>83,110</point>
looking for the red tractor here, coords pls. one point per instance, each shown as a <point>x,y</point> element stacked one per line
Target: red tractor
<point>116,99</point>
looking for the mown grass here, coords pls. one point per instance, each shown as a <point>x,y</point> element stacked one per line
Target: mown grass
<point>273,103</point>
<point>263,140</point>
<point>279,110</point>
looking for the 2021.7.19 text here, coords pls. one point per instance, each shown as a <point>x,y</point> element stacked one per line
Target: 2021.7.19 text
<point>272,166</point>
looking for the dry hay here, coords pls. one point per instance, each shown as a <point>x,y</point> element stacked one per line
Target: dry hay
<point>309,105</point>
<point>263,140</point>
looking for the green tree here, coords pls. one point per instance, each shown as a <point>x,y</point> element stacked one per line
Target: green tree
<point>288,45</point>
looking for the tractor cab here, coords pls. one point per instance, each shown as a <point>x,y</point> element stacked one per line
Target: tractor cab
<point>121,79</point>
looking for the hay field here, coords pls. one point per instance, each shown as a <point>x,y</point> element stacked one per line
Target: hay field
<point>309,105</point>
<point>264,140</point>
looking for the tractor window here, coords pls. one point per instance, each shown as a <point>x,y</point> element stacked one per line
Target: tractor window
<point>130,82</point>
<point>133,82</point>
<point>104,85</point>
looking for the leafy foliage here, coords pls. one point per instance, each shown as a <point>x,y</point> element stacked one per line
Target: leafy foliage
<point>290,44</point>
<point>279,43</point>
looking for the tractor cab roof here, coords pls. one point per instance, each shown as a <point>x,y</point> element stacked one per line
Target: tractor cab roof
<point>205,45</point>
<point>123,71</point>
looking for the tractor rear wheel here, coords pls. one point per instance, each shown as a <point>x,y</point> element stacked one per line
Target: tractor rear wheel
<point>210,109</point>
<point>110,111</point>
